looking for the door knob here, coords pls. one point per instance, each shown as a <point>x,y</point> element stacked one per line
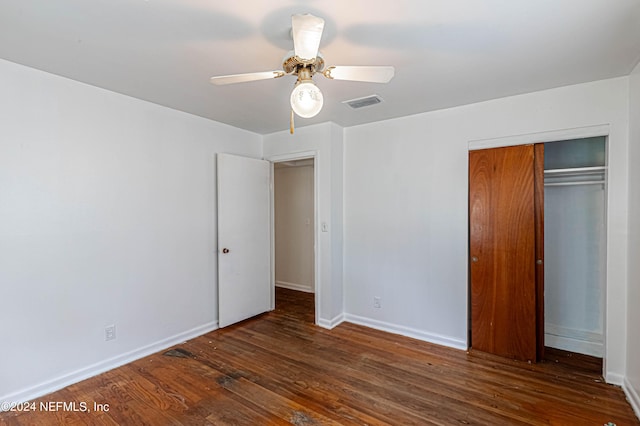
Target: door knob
<point>474,259</point>
<point>225,250</point>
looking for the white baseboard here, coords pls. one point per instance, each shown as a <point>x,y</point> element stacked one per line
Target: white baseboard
<point>614,378</point>
<point>574,345</point>
<point>632,396</point>
<point>63,381</point>
<point>294,286</point>
<point>574,340</point>
<point>407,331</point>
<point>329,324</point>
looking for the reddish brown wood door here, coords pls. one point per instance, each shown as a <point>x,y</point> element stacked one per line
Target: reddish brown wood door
<point>502,245</point>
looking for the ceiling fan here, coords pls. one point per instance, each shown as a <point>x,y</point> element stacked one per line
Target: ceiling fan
<point>304,62</point>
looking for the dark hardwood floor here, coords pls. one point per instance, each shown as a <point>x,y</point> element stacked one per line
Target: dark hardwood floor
<point>279,368</point>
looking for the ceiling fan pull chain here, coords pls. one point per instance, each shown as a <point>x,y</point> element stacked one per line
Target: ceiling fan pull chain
<point>291,123</point>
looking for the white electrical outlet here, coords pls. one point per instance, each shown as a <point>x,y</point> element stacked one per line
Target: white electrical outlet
<point>110,332</point>
<point>376,303</point>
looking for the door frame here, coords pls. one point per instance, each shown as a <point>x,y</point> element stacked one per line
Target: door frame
<point>303,155</point>
<point>557,136</point>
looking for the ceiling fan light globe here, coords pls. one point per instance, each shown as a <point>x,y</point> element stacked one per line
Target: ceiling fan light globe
<point>306,99</point>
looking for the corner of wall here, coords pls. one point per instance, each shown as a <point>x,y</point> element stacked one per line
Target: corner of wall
<point>337,219</point>
<point>631,383</point>
<point>632,396</point>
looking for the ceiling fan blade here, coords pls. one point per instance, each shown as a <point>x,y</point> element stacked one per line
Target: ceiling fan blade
<point>372,74</point>
<point>242,78</point>
<point>306,31</point>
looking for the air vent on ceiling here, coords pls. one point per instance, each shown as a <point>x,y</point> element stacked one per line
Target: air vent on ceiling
<point>363,102</point>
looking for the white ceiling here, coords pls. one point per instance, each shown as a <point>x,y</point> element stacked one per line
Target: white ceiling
<point>446,52</point>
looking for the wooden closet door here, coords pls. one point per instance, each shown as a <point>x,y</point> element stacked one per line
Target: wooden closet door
<point>502,248</point>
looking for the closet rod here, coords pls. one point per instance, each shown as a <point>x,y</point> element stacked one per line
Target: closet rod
<point>576,170</point>
<point>586,182</point>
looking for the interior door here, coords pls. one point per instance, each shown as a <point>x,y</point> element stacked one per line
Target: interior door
<point>503,251</point>
<point>244,242</point>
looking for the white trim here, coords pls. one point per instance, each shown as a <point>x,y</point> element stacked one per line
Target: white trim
<point>106,365</point>
<point>329,324</point>
<point>574,333</point>
<point>573,344</point>
<point>316,234</point>
<point>632,396</point>
<point>574,340</point>
<point>407,331</point>
<point>272,232</point>
<point>294,286</point>
<point>302,155</point>
<point>614,379</point>
<point>541,137</point>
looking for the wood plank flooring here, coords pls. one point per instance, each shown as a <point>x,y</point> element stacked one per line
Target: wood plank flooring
<point>279,368</point>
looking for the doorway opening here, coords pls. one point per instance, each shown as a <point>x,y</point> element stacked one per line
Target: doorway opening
<point>575,249</point>
<point>294,210</point>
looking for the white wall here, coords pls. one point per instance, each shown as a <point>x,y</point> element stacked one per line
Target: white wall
<point>405,188</point>
<point>632,383</point>
<point>294,227</point>
<point>107,216</point>
<point>326,142</point>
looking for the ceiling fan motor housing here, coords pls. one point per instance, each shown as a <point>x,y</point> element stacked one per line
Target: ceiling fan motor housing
<point>292,64</point>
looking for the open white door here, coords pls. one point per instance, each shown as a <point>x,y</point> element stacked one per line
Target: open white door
<point>244,243</point>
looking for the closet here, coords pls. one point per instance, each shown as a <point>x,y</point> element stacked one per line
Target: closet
<point>536,246</point>
<point>575,245</point>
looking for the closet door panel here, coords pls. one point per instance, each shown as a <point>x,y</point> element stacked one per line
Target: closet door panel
<point>502,249</point>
